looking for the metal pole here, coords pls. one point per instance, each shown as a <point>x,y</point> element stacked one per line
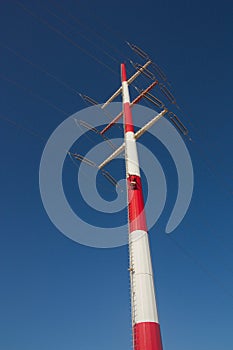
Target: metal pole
<point>146,329</point>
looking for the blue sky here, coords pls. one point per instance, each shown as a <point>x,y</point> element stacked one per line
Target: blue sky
<point>55,293</point>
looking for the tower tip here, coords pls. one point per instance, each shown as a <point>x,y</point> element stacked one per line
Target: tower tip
<point>123,72</point>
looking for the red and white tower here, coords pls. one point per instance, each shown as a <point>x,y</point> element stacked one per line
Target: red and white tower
<point>146,329</point>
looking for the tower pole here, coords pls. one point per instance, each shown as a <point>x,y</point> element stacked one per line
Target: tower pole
<point>146,329</point>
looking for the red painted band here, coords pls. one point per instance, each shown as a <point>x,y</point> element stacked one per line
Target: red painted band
<point>137,217</point>
<point>147,336</point>
<point>128,117</point>
<point>123,72</point>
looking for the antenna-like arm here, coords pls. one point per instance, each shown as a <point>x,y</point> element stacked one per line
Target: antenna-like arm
<point>138,134</point>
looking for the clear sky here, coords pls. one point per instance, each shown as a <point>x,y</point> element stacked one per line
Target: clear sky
<point>55,293</point>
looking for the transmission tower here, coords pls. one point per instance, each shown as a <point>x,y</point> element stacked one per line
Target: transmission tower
<point>145,321</point>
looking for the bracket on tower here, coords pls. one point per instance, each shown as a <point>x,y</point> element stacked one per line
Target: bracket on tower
<point>130,80</point>
<point>145,71</point>
<point>138,134</point>
<point>89,162</point>
<point>120,149</point>
<point>143,93</point>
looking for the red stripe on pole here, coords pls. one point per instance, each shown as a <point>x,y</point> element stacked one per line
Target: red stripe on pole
<point>147,336</point>
<point>128,117</point>
<point>123,72</point>
<point>137,217</point>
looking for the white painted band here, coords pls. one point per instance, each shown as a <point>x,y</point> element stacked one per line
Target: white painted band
<point>144,307</point>
<point>131,154</point>
<point>125,92</point>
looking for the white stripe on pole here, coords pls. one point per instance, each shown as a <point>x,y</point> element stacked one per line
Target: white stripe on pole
<point>132,166</point>
<point>142,275</point>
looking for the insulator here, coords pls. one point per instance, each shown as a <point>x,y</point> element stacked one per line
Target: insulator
<point>96,131</point>
<point>88,126</point>
<point>159,71</point>
<point>89,99</point>
<point>176,121</point>
<point>83,159</point>
<point>154,100</point>
<point>109,177</point>
<point>144,71</point>
<point>138,51</point>
<point>137,89</point>
<point>167,93</point>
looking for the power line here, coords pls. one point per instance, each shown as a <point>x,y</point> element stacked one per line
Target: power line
<point>22,127</point>
<point>84,25</point>
<point>80,34</point>
<point>41,69</point>
<point>202,266</point>
<point>64,36</point>
<point>31,92</point>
